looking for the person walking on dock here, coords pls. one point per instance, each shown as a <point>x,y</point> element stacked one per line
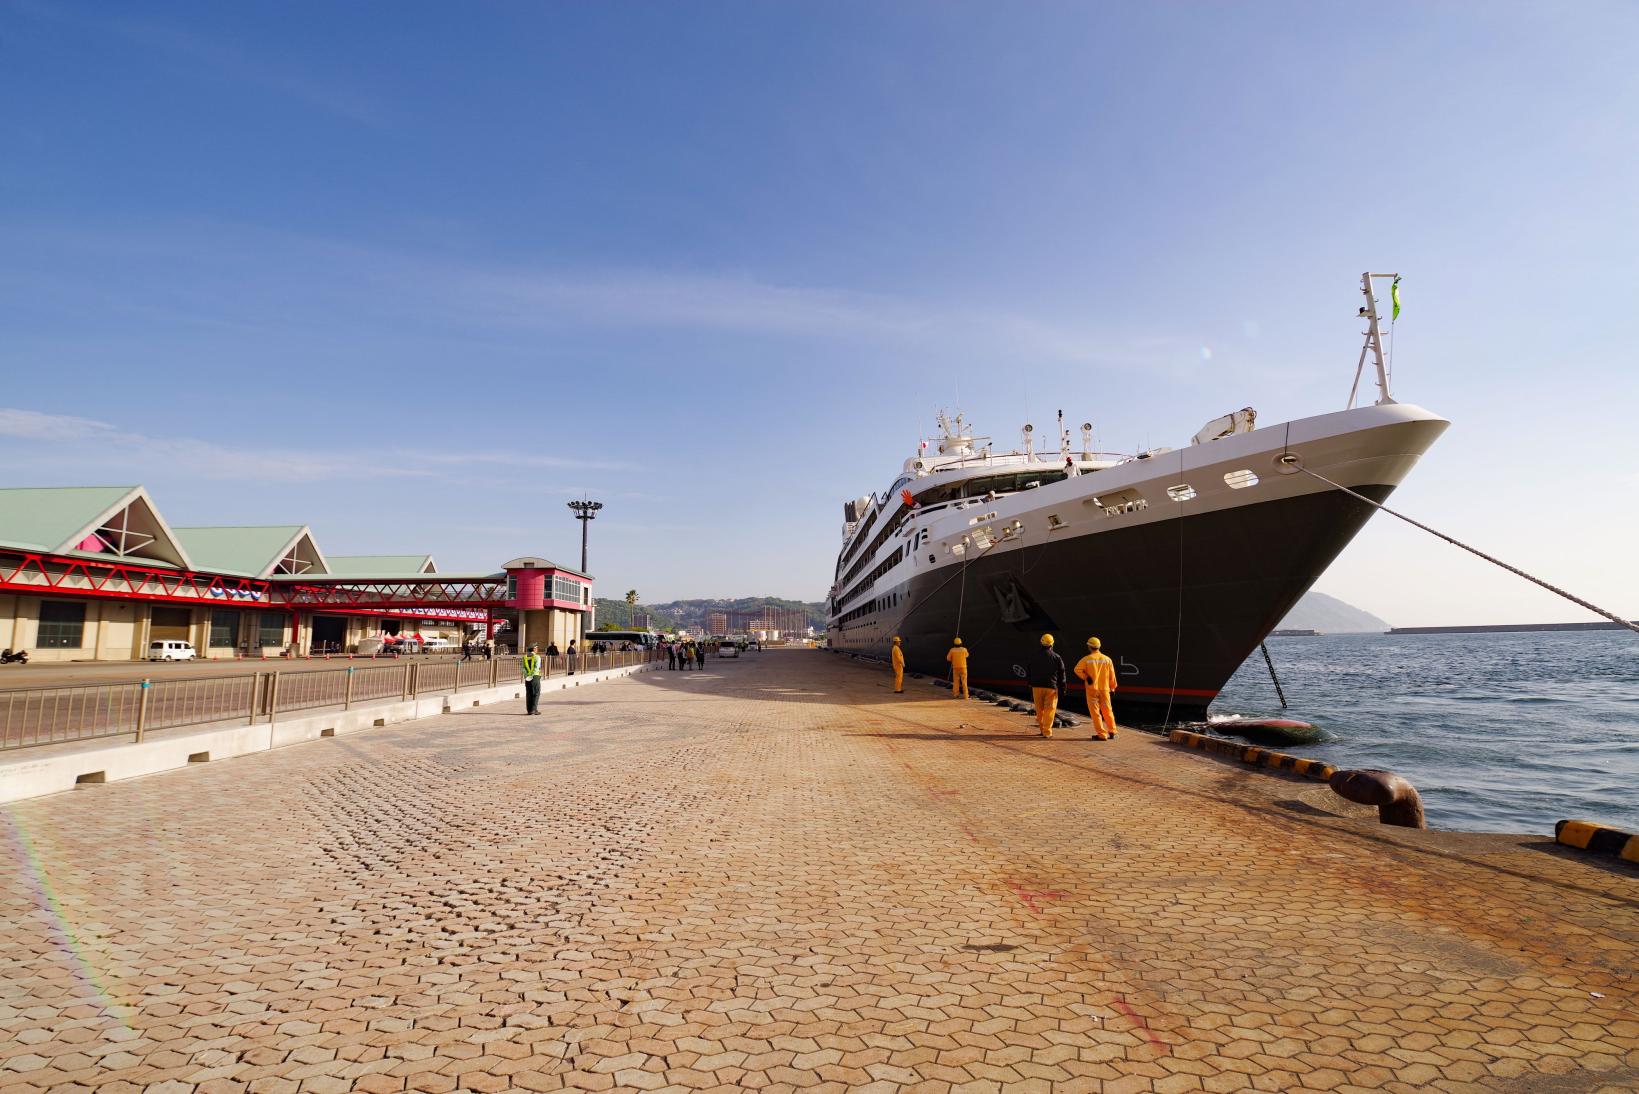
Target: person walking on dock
<point>1099,673</point>
<point>700,655</point>
<point>571,655</point>
<point>671,656</point>
<point>958,669</point>
<point>683,656</point>
<point>1047,679</point>
<point>898,662</point>
<point>466,649</point>
<point>532,680</point>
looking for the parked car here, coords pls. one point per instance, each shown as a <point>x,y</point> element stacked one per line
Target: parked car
<point>435,644</point>
<point>171,650</point>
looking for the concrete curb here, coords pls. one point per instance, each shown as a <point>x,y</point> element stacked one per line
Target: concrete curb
<point>112,760</point>
<point>1588,836</point>
<point>1256,757</point>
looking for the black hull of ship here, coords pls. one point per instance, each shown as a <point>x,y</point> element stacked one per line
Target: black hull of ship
<point>1179,604</point>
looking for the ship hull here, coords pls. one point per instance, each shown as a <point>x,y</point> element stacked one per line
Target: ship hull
<point>1179,603</point>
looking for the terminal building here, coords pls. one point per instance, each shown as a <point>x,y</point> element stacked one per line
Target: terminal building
<point>97,573</point>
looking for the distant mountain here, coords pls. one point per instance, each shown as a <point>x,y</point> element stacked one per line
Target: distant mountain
<point>692,613</point>
<point>1329,615</point>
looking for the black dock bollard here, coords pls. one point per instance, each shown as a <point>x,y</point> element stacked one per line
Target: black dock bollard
<point>1396,799</point>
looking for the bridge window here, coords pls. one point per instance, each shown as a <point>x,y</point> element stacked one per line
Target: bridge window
<point>1240,480</point>
<point>1182,492</point>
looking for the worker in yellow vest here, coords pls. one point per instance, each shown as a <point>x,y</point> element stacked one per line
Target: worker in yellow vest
<point>531,667</point>
<point>898,662</point>
<point>1099,673</point>
<point>958,669</point>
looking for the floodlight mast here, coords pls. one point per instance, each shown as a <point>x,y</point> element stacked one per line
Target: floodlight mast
<point>584,511</point>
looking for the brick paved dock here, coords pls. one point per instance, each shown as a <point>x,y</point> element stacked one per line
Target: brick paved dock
<point>777,875</point>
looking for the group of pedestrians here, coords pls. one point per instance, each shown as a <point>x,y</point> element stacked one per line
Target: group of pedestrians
<point>483,647</point>
<point>684,654</point>
<point>1048,679</point>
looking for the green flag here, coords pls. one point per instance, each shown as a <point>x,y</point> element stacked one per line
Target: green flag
<point>1394,295</point>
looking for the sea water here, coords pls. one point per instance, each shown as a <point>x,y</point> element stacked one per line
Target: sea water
<point>1504,732</point>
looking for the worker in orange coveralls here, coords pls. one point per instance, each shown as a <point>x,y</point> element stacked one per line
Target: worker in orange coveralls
<point>1047,679</point>
<point>898,661</point>
<point>958,669</point>
<point>1099,673</point>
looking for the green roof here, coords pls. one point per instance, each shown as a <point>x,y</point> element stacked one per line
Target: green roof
<point>373,565</point>
<point>46,518</point>
<point>245,552</point>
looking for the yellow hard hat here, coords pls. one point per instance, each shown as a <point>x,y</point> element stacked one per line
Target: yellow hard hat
<point>1093,643</point>
<point>896,640</point>
<point>958,641</point>
<point>1047,640</point>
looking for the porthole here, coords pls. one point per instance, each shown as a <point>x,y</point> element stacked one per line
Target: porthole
<point>1182,492</point>
<point>1240,480</point>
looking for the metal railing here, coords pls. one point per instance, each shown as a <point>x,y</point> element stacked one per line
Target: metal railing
<point>30,717</point>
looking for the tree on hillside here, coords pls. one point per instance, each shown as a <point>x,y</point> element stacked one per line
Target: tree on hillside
<point>631,598</point>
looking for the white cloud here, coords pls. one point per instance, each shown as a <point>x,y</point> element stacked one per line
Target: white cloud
<point>35,426</point>
<point>745,305</point>
<point>65,440</point>
<point>224,59</point>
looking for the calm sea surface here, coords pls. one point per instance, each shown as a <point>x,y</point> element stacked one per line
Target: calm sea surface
<point>1498,732</point>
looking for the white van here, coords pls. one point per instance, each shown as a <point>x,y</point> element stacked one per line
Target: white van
<point>171,651</point>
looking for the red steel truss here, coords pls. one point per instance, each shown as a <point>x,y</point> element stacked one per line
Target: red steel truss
<point>32,573</point>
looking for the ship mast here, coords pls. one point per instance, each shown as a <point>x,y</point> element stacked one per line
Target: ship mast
<point>1374,342</point>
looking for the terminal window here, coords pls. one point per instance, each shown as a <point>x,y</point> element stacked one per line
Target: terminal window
<point>271,630</point>
<point>62,625</point>
<point>224,629</point>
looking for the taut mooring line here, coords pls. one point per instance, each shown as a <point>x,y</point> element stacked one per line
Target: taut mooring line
<point>1577,600</point>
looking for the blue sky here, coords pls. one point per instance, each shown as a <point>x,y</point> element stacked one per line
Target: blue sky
<point>417,274</point>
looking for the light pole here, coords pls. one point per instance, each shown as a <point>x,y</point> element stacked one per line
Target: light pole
<point>584,511</point>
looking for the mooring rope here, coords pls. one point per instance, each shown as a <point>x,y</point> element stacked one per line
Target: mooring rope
<point>1577,600</point>
<point>1271,663</point>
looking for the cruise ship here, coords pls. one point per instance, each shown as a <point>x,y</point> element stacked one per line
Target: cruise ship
<point>1181,560</point>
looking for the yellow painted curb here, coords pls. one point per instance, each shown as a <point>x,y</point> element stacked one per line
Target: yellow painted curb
<point>1588,836</point>
<point>1256,757</point>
